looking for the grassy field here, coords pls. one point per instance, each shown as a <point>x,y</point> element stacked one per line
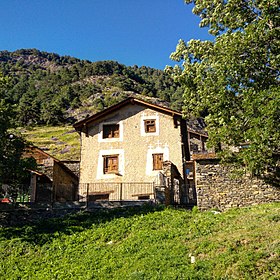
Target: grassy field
<point>146,243</point>
<point>61,142</point>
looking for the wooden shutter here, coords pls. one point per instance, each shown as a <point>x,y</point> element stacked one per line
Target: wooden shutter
<point>157,161</point>
<point>111,164</point>
<point>150,126</point>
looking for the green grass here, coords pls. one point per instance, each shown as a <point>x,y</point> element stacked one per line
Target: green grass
<point>146,243</point>
<point>61,142</point>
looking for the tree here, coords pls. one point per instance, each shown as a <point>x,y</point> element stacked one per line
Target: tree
<point>28,109</point>
<point>234,79</point>
<point>13,168</point>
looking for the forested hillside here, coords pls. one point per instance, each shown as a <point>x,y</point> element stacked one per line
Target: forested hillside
<point>46,88</point>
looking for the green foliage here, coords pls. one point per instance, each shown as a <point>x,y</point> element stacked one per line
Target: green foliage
<point>62,142</point>
<point>234,80</point>
<point>145,243</point>
<point>13,169</point>
<point>49,89</point>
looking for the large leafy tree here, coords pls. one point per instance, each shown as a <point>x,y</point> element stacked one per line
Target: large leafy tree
<point>13,168</point>
<point>234,79</point>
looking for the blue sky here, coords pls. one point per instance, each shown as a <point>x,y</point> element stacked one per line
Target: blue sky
<point>142,32</point>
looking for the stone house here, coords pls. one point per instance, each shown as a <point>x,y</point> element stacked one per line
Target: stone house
<point>136,150</point>
<point>53,180</point>
<point>127,148</point>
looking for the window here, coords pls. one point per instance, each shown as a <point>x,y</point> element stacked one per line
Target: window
<point>111,131</point>
<point>157,161</point>
<point>150,126</point>
<point>110,164</point>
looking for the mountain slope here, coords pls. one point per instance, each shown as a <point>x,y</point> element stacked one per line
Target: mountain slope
<point>46,88</point>
<point>62,142</point>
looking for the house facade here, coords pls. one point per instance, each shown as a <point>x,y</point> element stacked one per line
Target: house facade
<point>124,147</point>
<point>136,150</point>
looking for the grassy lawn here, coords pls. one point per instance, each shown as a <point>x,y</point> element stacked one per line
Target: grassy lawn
<point>146,243</point>
<point>61,142</point>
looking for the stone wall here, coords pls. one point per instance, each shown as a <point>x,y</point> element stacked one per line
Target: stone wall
<point>218,188</point>
<point>175,192</point>
<point>65,183</point>
<point>74,166</point>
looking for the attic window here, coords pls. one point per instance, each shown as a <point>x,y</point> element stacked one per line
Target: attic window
<point>150,126</point>
<point>111,131</point>
<point>111,164</point>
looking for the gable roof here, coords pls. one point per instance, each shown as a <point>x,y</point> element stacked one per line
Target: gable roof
<point>37,153</point>
<point>129,101</point>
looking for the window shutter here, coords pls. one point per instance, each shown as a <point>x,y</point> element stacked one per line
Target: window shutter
<point>157,161</point>
<point>150,126</point>
<point>110,164</point>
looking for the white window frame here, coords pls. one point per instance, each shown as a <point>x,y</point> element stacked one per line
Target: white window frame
<point>142,125</point>
<point>100,171</point>
<point>149,163</point>
<point>108,140</point>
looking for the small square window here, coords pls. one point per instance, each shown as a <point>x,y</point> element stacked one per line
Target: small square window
<point>110,164</point>
<point>111,131</point>
<point>157,161</point>
<point>150,126</point>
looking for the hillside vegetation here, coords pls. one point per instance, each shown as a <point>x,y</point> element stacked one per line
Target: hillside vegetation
<point>146,243</point>
<point>46,88</point>
<point>46,93</point>
<point>62,142</point>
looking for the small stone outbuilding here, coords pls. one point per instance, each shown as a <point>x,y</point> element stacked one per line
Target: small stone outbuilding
<point>53,181</point>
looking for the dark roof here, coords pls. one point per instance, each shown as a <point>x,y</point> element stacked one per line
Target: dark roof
<point>197,126</point>
<point>131,100</point>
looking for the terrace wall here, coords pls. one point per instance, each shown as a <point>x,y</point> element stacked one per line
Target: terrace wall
<point>217,187</point>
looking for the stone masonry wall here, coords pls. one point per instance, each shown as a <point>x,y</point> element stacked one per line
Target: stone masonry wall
<point>217,188</point>
<point>74,166</point>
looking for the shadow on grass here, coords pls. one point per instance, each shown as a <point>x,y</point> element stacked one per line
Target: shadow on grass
<point>44,230</point>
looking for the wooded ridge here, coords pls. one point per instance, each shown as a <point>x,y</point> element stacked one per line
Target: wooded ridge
<point>47,88</point>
